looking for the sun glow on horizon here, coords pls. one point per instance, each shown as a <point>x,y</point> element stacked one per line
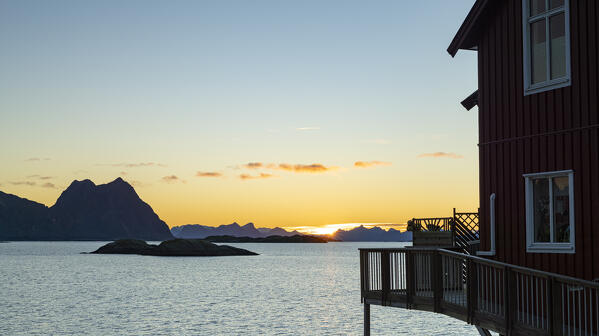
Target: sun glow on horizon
<point>329,229</point>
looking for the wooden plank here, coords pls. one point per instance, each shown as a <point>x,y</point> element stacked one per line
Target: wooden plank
<point>586,218</point>
<point>499,177</point>
<point>594,200</point>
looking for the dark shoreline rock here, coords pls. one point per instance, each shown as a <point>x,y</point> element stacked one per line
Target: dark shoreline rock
<point>171,248</point>
<point>270,239</point>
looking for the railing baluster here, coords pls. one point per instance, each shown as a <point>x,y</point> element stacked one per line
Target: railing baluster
<point>537,302</point>
<point>579,313</point>
<point>568,297</point>
<point>584,294</point>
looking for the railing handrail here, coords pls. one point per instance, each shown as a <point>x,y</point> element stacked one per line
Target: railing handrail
<point>494,263</point>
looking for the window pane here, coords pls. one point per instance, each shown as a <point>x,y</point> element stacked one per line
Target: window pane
<point>555,3</point>
<point>557,30</point>
<point>540,194</point>
<point>538,57</point>
<point>536,7</point>
<point>561,209</point>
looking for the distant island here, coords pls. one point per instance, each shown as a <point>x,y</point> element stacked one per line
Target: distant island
<point>357,234</point>
<point>197,231</point>
<point>171,248</point>
<point>269,239</point>
<point>374,234</point>
<point>84,211</point>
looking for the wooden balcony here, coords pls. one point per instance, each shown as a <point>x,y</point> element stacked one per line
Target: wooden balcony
<point>495,296</point>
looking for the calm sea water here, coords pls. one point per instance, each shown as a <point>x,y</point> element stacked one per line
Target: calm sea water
<point>48,288</point>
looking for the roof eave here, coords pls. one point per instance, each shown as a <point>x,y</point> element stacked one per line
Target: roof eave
<point>466,37</point>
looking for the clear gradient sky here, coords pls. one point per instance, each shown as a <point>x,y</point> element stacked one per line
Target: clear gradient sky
<point>178,97</point>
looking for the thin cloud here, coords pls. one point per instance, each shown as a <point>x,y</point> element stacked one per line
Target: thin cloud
<point>255,177</point>
<point>378,141</point>
<point>27,183</point>
<point>296,168</point>
<point>367,164</point>
<point>441,155</point>
<point>134,165</point>
<point>305,168</point>
<point>40,177</point>
<point>208,174</point>
<point>313,128</point>
<point>171,179</point>
<point>36,159</point>
<point>123,173</point>
<point>137,183</point>
<point>49,185</point>
<point>253,165</point>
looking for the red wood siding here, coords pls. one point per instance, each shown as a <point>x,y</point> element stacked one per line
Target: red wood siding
<point>548,131</point>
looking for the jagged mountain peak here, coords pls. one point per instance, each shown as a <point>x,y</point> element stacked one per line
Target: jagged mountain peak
<point>86,211</point>
<point>249,225</point>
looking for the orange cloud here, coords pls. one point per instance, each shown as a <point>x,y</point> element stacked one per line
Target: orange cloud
<point>253,165</point>
<point>297,168</point>
<point>366,164</point>
<point>301,168</point>
<point>208,174</point>
<point>441,155</point>
<point>49,185</point>
<point>252,177</point>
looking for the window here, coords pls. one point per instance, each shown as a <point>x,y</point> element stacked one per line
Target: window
<point>550,212</point>
<point>546,44</point>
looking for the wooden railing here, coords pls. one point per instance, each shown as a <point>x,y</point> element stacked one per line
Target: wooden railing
<point>463,225</point>
<point>500,297</point>
<point>442,223</point>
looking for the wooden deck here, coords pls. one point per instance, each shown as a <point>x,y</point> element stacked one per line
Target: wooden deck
<point>507,299</point>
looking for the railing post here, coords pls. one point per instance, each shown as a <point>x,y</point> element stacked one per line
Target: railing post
<point>366,319</point>
<point>362,275</point>
<point>472,289</point>
<point>510,303</point>
<point>385,277</point>
<point>437,280</point>
<point>555,307</point>
<point>410,279</point>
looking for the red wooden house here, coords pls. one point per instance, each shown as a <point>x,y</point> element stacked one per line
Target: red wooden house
<point>537,267</point>
<point>538,131</point>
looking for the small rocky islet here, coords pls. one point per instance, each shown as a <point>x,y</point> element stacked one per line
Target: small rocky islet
<point>171,248</point>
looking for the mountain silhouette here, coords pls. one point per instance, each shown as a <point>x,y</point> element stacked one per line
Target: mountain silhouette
<point>84,211</point>
<point>196,231</point>
<point>362,233</point>
<point>21,219</point>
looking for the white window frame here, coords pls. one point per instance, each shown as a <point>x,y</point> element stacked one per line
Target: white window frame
<point>549,84</point>
<point>531,245</point>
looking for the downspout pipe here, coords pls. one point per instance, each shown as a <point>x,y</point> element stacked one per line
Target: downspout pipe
<point>492,218</point>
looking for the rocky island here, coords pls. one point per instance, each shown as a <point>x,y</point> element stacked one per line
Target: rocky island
<point>171,248</point>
